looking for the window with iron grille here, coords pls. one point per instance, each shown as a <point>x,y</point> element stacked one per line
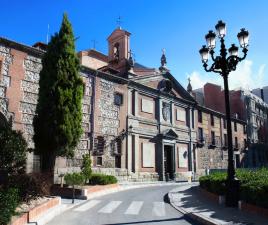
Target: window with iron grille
<point>213,142</point>
<point>99,161</point>
<point>118,99</point>
<point>200,134</point>
<point>99,144</point>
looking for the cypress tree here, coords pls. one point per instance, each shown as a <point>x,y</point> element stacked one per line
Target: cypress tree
<point>57,124</point>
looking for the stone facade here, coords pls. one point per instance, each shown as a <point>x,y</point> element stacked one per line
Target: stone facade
<point>6,59</point>
<point>139,123</point>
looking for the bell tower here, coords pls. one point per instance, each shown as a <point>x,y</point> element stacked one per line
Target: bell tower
<point>119,48</point>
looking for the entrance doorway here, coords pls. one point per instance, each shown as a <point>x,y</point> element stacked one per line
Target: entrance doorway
<point>169,162</point>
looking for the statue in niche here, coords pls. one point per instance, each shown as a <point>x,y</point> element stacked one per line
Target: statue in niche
<point>166,111</point>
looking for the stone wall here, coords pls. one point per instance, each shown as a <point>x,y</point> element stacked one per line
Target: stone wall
<point>6,59</point>
<point>29,88</point>
<point>108,119</point>
<point>29,67</point>
<point>211,159</point>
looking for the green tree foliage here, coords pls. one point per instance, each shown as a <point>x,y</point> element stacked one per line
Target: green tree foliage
<point>73,179</point>
<point>13,149</point>
<point>9,200</point>
<point>86,167</point>
<point>57,124</point>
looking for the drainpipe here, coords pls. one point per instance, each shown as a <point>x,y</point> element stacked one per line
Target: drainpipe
<point>190,143</point>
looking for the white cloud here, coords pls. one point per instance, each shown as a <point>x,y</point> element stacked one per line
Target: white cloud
<point>244,77</point>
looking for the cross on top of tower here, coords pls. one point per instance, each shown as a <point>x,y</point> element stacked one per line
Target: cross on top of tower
<point>94,42</point>
<point>119,22</point>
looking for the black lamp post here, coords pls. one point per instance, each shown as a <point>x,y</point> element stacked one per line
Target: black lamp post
<point>223,65</point>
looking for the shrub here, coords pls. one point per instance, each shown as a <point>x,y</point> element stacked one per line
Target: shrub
<point>214,183</point>
<point>30,186</point>
<point>12,152</point>
<point>101,179</point>
<point>9,201</point>
<point>255,192</point>
<point>73,179</point>
<point>86,167</point>
<point>253,185</point>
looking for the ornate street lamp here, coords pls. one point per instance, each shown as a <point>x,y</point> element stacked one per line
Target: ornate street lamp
<point>224,64</point>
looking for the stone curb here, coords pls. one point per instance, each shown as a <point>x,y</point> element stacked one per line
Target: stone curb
<point>125,187</point>
<point>193,216</point>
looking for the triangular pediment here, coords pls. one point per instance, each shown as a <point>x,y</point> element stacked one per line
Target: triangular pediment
<point>170,134</point>
<point>166,83</point>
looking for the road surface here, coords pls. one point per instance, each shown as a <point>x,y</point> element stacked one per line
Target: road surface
<point>141,206</point>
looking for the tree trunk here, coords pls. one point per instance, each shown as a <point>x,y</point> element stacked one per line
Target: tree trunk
<point>73,195</point>
<point>48,162</point>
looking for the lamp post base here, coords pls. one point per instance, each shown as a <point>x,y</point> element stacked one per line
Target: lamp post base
<point>232,192</point>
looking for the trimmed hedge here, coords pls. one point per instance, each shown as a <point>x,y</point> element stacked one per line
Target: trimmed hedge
<point>214,183</point>
<point>253,185</point>
<point>101,179</point>
<point>9,200</point>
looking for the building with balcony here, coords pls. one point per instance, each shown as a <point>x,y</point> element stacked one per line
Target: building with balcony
<point>247,107</point>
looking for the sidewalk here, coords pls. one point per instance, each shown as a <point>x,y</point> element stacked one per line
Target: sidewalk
<point>190,201</point>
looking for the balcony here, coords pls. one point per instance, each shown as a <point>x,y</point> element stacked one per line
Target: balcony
<point>213,143</point>
<point>201,141</point>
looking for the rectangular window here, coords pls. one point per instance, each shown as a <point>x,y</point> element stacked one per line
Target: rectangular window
<point>99,161</point>
<point>225,140</point>
<point>200,116</point>
<point>235,126</point>
<point>200,134</point>
<point>236,142</point>
<point>224,123</point>
<point>118,99</point>
<point>193,119</point>
<point>213,142</point>
<point>211,119</point>
<point>245,129</point>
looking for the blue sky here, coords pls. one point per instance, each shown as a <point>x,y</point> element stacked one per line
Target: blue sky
<point>178,26</point>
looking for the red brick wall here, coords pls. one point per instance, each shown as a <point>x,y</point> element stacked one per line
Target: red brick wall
<point>214,97</point>
<point>14,92</point>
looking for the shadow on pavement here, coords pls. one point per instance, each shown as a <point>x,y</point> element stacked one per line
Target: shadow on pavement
<point>192,198</point>
<point>152,221</point>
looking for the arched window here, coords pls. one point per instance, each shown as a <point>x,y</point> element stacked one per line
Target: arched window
<point>116,51</point>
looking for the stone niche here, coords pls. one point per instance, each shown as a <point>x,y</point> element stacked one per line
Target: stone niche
<point>148,155</point>
<point>147,106</point>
